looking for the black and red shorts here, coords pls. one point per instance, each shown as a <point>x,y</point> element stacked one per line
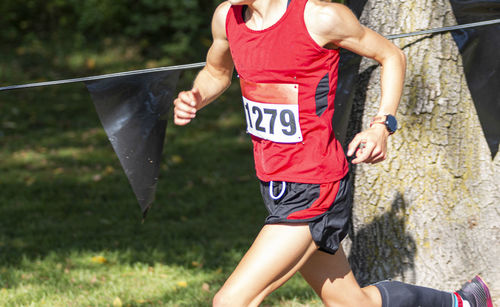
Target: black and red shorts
<point>325,207</point>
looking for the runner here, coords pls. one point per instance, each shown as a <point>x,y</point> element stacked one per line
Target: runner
<point>286,53</point>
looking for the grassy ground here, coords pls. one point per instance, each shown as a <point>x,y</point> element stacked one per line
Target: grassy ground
<point>70,227</point>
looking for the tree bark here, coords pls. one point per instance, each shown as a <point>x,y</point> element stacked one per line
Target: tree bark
<point>430,213</point>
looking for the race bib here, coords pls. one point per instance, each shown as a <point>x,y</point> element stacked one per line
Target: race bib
<point>272,111</point>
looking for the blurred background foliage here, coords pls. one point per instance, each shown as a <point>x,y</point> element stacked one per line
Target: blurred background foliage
<point>81,37</point>
<point>62,38</point>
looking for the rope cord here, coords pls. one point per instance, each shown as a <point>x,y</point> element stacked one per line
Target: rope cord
<point>202,64</point>
<point>446,29</point>
<point>100,77</point>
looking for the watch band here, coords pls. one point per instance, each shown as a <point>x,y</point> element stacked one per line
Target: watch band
<point>387,120</point>
<point>379,119</point>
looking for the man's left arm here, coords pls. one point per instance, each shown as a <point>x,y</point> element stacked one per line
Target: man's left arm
<point>335,23</point>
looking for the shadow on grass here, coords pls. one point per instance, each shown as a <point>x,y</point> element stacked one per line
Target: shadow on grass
<point>63,190</point>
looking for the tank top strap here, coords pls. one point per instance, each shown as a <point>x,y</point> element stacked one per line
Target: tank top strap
<point>296,14</point>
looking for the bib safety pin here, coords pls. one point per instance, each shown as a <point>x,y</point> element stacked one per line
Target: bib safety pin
<point>283,188</point>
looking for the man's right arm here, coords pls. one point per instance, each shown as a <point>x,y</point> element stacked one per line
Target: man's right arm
<point>214,78</point>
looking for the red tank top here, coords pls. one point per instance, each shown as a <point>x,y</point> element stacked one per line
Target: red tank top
<point>288,86</point>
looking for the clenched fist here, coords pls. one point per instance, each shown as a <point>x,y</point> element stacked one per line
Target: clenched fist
<point>186,104</point>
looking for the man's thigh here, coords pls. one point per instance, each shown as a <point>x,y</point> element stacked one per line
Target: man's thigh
<point>276,254</point>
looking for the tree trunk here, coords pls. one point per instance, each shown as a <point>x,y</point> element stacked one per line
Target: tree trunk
<point>430,213</point>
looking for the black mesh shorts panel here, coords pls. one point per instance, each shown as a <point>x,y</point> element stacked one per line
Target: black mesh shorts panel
<point>327,229</point>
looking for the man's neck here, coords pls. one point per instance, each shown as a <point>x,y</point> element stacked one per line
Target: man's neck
<point>262,14</point>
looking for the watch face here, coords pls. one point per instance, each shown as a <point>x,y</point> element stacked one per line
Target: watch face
<point>391,123</point>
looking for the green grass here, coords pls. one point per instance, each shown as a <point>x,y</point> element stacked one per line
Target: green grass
<point>70,227</point>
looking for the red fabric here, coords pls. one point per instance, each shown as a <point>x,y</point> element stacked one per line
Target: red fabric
<point>285,53</point>
<point>271,93</point>
<point>327,194</point>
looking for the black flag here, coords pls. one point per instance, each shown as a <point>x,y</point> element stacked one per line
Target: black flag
<point>132,110</point>
<point>479,48</point>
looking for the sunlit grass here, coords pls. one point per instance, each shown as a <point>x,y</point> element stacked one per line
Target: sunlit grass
<point>85,278</point>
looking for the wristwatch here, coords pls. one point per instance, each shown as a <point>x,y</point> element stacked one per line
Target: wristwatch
<point>390,122</point>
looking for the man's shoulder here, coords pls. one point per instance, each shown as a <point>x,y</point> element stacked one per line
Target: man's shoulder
<point>324,17</point>
<point>326,9</point>
<point>222,10</point>
<point>219,17</point>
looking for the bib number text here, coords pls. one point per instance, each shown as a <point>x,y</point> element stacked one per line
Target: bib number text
<point>274,122</point>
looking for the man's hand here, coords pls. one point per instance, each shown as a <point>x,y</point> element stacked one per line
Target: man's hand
<point>186,105</point>
<point>370,146</point>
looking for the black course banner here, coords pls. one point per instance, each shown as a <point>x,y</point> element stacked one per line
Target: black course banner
<point>480,49</point>
<point>132,111</point>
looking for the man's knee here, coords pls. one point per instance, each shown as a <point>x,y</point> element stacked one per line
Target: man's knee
<point>220,300</point>
<point>224,298</point>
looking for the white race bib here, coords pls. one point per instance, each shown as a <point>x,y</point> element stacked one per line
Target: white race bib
<point>272,111</point>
